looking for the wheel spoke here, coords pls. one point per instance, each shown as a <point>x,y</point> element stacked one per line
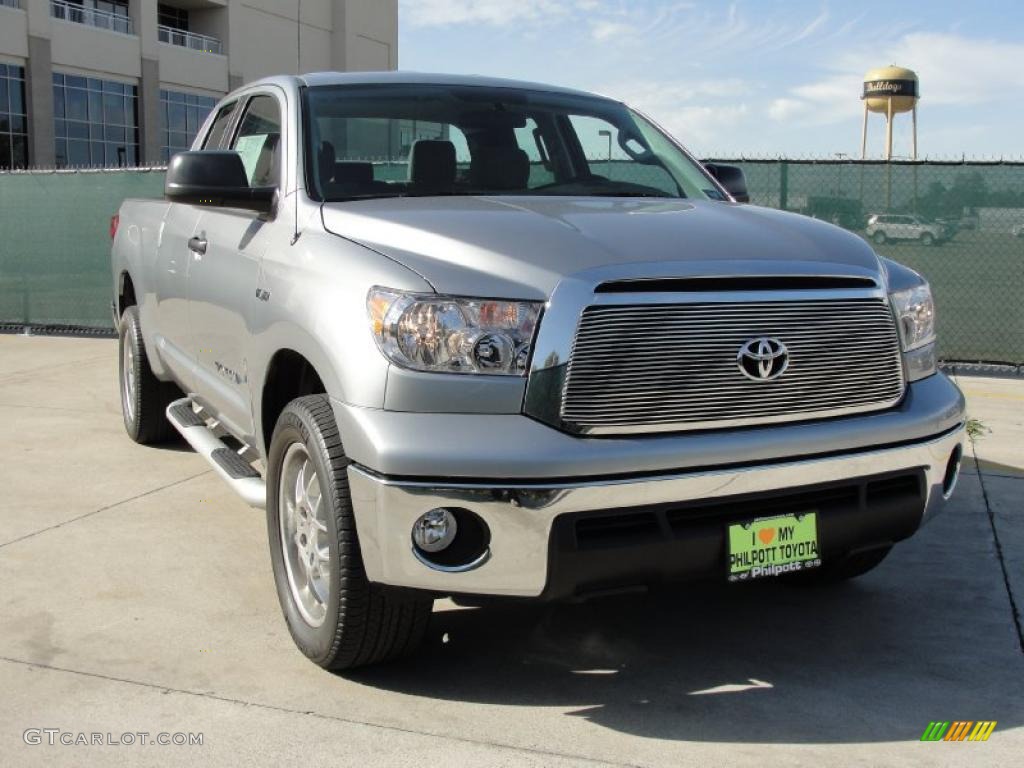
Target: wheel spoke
<point>304,534</point>
<point>300,485</point>
<point>318,589</point>
<point>310,481</point>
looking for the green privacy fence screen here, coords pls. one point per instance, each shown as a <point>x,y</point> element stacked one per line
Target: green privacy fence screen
<point>959,223</point>
<point>55,243</point>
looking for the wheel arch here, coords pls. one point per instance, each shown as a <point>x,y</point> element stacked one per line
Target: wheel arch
<point>126,295</point>
<point>289,373</point>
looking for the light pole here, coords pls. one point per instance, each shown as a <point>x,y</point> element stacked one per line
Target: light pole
<point>841,156</point>
<point>609,135</point>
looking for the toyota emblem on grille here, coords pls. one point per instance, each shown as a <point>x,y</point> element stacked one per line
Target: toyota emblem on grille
<point>763,359</point>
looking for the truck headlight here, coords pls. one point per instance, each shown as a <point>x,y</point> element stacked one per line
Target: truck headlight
<point>915,316</point>
<point>451,334</point>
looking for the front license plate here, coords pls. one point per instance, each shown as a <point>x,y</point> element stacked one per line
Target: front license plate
<point>770,546</point>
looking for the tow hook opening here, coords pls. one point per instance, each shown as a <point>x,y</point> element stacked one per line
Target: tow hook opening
<point>952,472</point>
<point>451,539</point>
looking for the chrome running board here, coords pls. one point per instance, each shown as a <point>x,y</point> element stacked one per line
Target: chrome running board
<point>232,466</point>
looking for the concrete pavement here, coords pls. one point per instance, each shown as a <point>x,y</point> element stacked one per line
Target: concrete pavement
<point>137,597</point>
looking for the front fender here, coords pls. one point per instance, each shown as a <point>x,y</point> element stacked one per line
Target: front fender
<point>315,305</point>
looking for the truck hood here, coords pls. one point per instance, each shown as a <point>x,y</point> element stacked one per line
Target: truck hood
<point>521,247</point>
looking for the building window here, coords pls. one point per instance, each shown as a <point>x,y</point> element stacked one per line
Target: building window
<point>181,114</point>
<point>13,118</point>
<point>169,16</point>
<point>95,122</point>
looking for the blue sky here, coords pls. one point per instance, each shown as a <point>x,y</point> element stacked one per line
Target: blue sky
<point>754,77</point>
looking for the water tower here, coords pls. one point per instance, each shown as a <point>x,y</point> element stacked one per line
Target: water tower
<point>889,91</point>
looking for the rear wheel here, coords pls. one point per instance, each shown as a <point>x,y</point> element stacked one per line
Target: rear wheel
<point>144,398</point>
<point>927,238</point>
<point>879,237</point>
<point>835,571</point>
<point>335,616</point>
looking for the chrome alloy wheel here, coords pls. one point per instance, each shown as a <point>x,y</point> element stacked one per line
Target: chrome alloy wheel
<point>302,516</point>
<point>128,378</point>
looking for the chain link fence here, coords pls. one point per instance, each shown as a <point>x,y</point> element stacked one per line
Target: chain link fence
<point>961,224</point>
<point>55,244</point>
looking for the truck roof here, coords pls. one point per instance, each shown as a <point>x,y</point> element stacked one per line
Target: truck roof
<point>412,78</point>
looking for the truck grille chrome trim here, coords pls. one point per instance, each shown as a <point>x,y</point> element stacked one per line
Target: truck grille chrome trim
<point>638,368</point>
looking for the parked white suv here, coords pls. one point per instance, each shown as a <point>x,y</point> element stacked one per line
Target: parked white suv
<point>890,226</point>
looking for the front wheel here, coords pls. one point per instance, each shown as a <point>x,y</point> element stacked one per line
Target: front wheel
<point>927,239</point>
<point>336,617</point>
<point>879,237</point>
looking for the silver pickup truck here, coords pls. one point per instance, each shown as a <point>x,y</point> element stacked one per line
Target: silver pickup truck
<point>470,337</point>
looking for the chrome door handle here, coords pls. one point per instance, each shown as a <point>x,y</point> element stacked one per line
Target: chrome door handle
<point>197,245</point>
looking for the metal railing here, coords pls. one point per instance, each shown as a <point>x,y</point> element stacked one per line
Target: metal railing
<point>193,40</point>
<point>92,17</point>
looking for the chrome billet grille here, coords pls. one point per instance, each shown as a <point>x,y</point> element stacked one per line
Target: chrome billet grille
<point>654,367</point>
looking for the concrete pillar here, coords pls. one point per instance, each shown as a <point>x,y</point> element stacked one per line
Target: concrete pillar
<point>150,127</point>
<point>364,36</point>
<point>144,19</point>
<point>39,95</point>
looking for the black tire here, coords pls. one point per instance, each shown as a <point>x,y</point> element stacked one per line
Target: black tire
<point>836,571</point>
<point>927,238</point>
<point>879,237</point>
<point>144,410</point>
<point>363,623</point>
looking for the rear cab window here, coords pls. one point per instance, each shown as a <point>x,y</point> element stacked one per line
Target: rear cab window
<point>215,137</point>
<point>258,141</point>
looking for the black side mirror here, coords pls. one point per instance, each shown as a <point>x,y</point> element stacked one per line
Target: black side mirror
<point>731,177</point>
<point>215,178</point>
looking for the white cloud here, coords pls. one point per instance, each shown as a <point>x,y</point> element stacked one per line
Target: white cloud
<point>602,29</point>
<point>815,24</point>
<point>441,13</point>
<point>961,70</point>
<point>786,108</point>
<point>953,70</point>
<point>694,111</point>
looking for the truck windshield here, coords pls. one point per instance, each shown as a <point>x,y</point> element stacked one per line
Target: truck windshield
<point>445,140</point>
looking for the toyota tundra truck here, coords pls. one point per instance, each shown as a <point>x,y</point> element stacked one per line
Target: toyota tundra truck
<point>466,337</point>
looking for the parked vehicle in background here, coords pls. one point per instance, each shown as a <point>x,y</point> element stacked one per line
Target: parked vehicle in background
<point>516,368</point>
<point>844,212</point>
<point>883,227</point>
<point>968,221</point>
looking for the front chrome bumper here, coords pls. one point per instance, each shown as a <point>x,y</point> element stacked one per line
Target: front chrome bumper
<point>520,514</point>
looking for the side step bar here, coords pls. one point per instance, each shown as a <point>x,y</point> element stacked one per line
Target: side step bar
<point>232,468</point>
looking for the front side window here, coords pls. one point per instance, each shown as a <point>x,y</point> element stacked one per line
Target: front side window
<point>95,122</point>
<point>398,140</point>
<point>181,114</point>
<point>258,141</point>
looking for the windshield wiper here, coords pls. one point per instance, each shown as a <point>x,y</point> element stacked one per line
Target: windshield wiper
<point>623,193</point>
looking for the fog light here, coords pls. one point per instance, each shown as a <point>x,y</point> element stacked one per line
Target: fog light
<point>435,530</point>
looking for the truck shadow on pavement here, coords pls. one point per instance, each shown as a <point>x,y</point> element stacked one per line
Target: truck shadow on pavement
<point>927,635</point>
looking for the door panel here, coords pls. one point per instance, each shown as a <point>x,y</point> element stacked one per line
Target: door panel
<point>223,280</point>
<point>222,291</point>
<point>174,335</point>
